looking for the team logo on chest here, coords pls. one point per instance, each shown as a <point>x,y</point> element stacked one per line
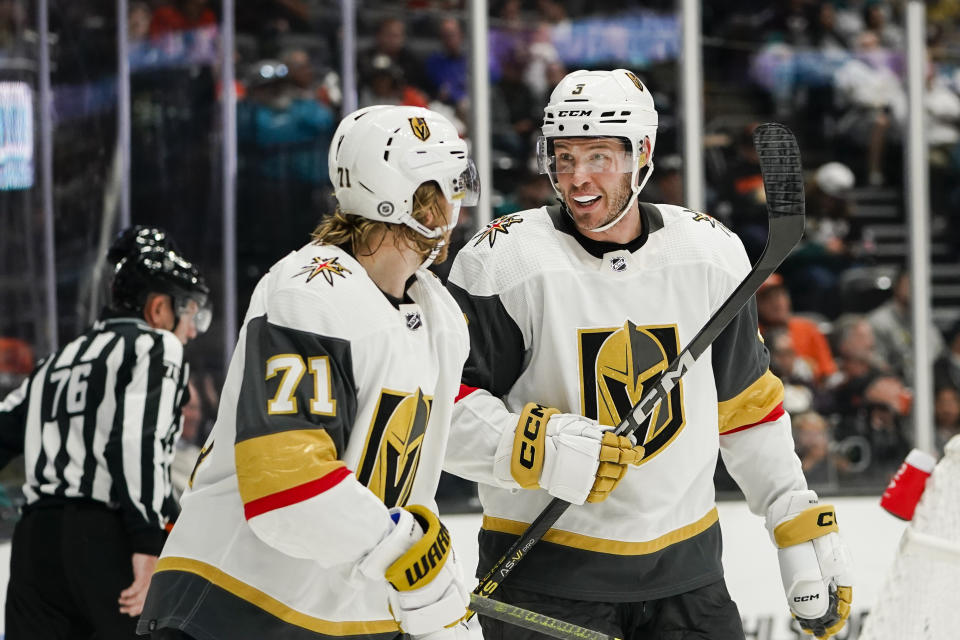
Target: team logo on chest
<point>392,451</point>
<point>328,267</point>
<point>618,365</point>
<point>495,227</point>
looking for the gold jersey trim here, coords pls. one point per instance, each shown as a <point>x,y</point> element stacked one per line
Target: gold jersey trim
<point>269,464</point>
<point>751,405</point>
<point>270,604</point>
<point>601,545</point>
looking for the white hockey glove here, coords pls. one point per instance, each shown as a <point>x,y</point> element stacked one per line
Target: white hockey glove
<point>571,457</point>
<point>813,562</point>
<point>427,595</point>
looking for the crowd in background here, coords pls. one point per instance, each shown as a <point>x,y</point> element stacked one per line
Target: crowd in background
<point>832,70</point>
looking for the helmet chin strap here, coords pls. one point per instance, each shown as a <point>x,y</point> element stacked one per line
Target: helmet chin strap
<point>629,204</point>
<point>435,232</point>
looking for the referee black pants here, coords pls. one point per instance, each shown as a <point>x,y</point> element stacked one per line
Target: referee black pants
<point>69,562</point>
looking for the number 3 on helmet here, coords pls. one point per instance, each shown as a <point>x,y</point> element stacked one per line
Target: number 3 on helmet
<point>380,155</point>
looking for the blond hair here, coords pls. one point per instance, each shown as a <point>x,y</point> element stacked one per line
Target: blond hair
<point>365,236</point>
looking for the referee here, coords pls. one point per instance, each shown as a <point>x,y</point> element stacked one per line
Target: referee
<point>97,422</point>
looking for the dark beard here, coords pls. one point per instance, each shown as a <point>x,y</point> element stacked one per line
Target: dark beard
<point>619,198</point>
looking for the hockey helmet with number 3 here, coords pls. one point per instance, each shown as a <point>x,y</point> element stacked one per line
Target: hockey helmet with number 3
<point>614,104</point>
<point>380,155</point>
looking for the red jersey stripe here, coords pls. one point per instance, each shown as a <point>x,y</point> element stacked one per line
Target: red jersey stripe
<point>770,417</point>
<point>465,390</point>
<point>295,494</point>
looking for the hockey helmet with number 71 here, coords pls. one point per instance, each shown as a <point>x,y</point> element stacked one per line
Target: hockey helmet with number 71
<point>380,155</point>
<point>601,104</point>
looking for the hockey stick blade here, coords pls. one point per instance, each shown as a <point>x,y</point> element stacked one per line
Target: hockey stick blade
<point>533,621</point>
<point>783,182</point>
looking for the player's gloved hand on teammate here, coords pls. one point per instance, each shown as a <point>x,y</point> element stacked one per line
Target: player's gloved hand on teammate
<point>426,592</point>
<point>814,564</point>
<point>571,457</point>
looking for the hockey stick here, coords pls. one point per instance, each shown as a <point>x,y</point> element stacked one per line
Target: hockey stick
<point>783,184</point>
<point>534,621</point>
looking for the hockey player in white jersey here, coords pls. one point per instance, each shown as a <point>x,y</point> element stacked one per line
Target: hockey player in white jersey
<point>573,310</point>
<point>311,511</point>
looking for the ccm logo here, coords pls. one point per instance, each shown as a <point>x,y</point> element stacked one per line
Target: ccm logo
<point>815,596</point>
<point>573,114</point>
<point>531,428</point>
<point>825,519</point>
<point>434,555</point>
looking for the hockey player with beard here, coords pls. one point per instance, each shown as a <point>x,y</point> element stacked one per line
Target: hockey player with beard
<point>311,511</point>
<point>573,310</point>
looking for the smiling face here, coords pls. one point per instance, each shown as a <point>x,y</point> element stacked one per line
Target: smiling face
<point>593,176</point>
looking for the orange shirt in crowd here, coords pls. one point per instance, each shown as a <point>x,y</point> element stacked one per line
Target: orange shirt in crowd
<point>811,345</point>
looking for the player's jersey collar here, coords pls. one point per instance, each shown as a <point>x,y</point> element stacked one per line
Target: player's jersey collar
<point>651,221</point>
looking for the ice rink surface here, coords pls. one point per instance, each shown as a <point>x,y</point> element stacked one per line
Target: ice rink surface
<point>749,559</point>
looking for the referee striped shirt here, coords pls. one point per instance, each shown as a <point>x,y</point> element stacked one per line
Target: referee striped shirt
<point>99,420</point>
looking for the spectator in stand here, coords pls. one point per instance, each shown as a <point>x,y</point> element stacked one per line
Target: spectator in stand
<point>447,69</point>
<point>515,110</point>
<point>138,21</point>
<point>858,366</point>
<point>774,311</point>
<point>799,394</point>
<point>811,437</point>
<point>740,195</point>
<point>181,15</point>
<point>667,183</point>
<point>542,56</point>
<point>391,41</point>
<point>826,35</point>
<point>891,323</point>
<point>946,415</point>
<point>386,84</point>
<point>874,105</point>
<point>790,22</point>
<point>946,370</point>
<point>876,18</point>
<point>882,419</point>
<point>283,135</point>
<point>833,242</point>
<point>16,363</point>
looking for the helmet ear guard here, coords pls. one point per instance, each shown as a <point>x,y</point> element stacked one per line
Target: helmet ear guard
<point>607,104</point>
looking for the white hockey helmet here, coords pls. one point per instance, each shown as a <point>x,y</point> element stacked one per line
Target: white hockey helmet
<point>380,155</point>
<point>601,104</point>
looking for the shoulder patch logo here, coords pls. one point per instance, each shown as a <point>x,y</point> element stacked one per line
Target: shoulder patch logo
<point>328,267</point>
<point>495,227</point>
<point>419,128</point>
<point>713,222</point>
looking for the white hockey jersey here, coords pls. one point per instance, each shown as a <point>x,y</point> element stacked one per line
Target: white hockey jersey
<point>584,327</point>
<point>336,406</point>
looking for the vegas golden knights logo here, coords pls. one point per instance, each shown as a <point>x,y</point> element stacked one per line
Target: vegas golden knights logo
<point>392,451</point>
<point>618,366</point>
<point>420,128</point>
<point>635,80</point>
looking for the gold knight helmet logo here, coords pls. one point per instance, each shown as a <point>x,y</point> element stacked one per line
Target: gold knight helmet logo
<point>420,128</point>
<point>618,365</point>
<point>392,451</point>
